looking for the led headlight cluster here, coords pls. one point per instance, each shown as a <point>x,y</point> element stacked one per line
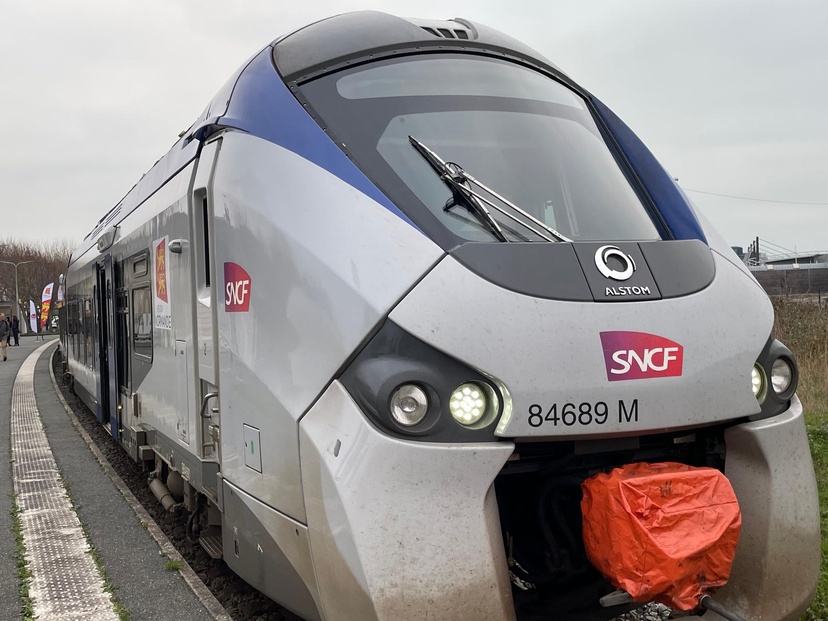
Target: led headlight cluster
<point>774,378</point>
<point>782,375</point>
<point>468,404</point>
<point>758,383</point>
<point>782,379</point>
<point>411,390</point>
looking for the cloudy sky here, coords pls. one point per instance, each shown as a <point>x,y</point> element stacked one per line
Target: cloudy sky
<point>731,96</point>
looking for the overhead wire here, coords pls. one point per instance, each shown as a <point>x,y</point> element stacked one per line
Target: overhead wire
<point>760,200</point>
<point>775,246</point>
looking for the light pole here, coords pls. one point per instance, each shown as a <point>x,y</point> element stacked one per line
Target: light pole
<point>16,288</point>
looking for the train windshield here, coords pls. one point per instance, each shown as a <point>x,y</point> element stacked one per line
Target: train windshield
<point>527,137</point>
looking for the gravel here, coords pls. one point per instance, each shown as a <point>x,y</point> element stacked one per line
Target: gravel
<point>649,612</point>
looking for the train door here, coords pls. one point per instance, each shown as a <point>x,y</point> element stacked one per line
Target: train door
<point>107,385</point>
<point>122,340</point>
<point>205,306</point>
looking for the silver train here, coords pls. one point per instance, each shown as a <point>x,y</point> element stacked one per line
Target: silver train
<point>399,289</point>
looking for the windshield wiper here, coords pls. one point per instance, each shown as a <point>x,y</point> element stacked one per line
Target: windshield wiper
<point>452,175</point>
<point>460,183</point>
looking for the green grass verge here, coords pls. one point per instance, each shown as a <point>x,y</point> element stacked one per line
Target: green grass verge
<point>24,574</point>
<point>818,437</point>
<point>803,326</point>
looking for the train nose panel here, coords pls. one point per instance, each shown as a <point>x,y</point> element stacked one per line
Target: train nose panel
<point>399,529</point>
<point>593,369</point>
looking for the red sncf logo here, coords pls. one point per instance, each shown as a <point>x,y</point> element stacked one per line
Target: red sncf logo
<point>638,355</point>
<point>237,286</point>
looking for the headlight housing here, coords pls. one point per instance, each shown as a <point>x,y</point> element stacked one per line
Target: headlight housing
<point>779,374</point>
<point>411,390</point>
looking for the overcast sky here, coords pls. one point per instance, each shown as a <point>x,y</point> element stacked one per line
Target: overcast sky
<point>731,96</point>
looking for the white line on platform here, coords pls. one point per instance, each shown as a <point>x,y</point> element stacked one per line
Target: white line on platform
<point>65,583</point>
<point>208,600</point>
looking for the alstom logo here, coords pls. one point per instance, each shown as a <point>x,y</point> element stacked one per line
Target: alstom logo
<point>638,355</point>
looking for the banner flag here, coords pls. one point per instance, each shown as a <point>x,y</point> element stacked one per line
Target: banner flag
<point>60,294</point>
<point>45,303</point>
<point>32,316</point>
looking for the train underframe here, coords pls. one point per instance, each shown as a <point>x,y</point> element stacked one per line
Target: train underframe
<point>539,499</point>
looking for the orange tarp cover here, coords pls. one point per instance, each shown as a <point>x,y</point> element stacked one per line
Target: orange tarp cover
<point>662,532</point>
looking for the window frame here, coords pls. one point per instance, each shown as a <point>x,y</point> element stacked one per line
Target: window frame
<point>136,349</point>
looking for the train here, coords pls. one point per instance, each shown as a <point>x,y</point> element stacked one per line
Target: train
<point>398,291</point>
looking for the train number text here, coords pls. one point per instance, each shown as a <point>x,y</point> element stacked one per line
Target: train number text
<point>583,414</point>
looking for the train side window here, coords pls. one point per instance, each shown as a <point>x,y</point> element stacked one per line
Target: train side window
<point>140,266</point>
<point>142,322</point>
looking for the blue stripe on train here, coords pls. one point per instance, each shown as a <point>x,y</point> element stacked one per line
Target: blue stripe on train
<point>263,106</point>
<point>668,198</point>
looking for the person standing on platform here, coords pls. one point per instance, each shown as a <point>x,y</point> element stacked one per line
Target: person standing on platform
<point>4,334</point>
<point>15,325</point>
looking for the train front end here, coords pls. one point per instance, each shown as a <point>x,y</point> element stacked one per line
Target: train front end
<point>583,317</point>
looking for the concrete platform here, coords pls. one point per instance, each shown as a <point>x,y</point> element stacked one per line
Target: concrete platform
<point>68,505</point>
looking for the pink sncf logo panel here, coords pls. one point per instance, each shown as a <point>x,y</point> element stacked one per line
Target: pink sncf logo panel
<point>638,355</point>
<point>237,288</point>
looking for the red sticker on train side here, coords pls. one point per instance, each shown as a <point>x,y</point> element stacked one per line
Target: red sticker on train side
<point>638,355</point>
<point>237,288</point>
<point>161,270</point>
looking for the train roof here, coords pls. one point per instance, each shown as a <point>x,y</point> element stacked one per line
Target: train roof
<point>351,37</point>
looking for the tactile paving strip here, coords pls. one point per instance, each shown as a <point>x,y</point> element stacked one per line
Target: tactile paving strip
<point>65,585</point>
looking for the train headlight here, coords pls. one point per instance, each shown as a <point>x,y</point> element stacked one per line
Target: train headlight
<point>409,405</point>
<point>775,378</point>
<point>781,376</point>
<point>757,382</point>
<point>468,403</point>
<point>411,390</point>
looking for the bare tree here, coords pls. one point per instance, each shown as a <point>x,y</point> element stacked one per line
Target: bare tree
<point>37,264</point>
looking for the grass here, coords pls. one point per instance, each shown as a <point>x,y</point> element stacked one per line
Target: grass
<point>24,574</point>
<point>172,565</point>
<point>803,326</point>
<point>818,436</point>
<point>109,586</point>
